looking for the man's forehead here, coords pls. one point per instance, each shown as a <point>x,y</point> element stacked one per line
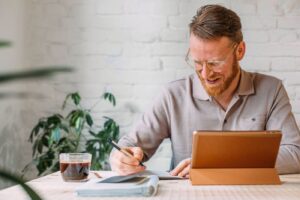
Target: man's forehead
<point>220,41</point>
<point>208,49</point>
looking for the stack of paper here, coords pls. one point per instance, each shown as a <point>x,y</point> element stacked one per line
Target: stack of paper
<point>120,186</point>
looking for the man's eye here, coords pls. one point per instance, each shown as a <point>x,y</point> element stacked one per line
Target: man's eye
<point>214,64</point>
<point>198,63</point>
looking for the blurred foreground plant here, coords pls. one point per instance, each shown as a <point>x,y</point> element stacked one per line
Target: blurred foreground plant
<point>15,76</point>
<point>10,177</point>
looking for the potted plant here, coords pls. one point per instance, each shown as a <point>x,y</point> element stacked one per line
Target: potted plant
<point>74,132</point>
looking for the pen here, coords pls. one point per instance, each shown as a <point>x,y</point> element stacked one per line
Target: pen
<point>114,144</point>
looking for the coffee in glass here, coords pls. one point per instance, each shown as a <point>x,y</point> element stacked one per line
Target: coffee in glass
<point>75,166</point>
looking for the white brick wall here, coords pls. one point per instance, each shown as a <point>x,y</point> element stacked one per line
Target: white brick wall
<point>133,47</point>
<point>12,135</point>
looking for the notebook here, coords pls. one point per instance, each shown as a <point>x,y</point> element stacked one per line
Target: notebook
<point>118,186</point>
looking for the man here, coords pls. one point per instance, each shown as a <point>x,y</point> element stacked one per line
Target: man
<point>218,96</point>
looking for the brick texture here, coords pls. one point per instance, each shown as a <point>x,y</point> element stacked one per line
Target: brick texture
<point>133,47</point>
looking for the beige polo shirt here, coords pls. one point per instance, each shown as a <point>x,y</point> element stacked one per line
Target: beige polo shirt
<point>260,103</point>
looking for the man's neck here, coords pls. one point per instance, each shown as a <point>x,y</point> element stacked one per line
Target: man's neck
<point>224,99</point>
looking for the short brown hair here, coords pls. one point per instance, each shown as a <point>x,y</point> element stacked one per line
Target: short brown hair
<point>214,21</point>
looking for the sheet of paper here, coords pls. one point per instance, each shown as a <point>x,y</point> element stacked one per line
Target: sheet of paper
<point>163,175</point>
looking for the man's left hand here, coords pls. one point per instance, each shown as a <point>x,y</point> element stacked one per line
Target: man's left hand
<point>182,169</point>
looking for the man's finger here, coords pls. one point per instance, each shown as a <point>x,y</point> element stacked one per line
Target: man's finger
<point>137,152</point>
<point>123,168</point>
<point>125,164</point>
<point>126,169</point>
<point>128,157</point>
<point>118,158</point>
<point>133,170</point>
<point>185,172</point>
<point>180,167</point>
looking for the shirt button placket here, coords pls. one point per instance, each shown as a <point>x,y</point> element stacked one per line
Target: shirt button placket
<point>224,124</point>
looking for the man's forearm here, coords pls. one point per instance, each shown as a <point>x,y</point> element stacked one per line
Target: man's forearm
<point>288,160</point>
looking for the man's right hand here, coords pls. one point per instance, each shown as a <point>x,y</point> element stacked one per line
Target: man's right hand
<point>124,164</point>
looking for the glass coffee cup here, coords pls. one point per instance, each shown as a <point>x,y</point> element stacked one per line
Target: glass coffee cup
<point>75,166</point>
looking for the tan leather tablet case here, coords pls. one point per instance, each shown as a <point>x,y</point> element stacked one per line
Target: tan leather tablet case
<point>234,157</point>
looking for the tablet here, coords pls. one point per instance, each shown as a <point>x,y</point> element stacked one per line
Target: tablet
<point>235,149</point>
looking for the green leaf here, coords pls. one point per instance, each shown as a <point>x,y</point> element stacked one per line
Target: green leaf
<point>111,98</point>
<point>71,114</point>
<point>45,141</point>
<point>42,123</point>
<point>105,117</point>
<point>61,141</point>
<point>78,123</point>
<point>65,128</point>
<point>93,133</point>
<point>34,132</point>
<point>116,132</point>
<point>108,122</point>
<point>74,117</point>
<point>92,141</point>
<point>76,98</point>
<point>55,134</point>
<point>40,126</point>
<point>54,119</point>
<point>5,44</point>
<point>40,147</point>
<point>33,73</point>
<point>89,119</point>
<point>31,193</point>
<point>34,147</point>
<point>90,148</point>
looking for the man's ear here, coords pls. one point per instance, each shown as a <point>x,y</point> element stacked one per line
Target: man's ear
<point>240,50</point>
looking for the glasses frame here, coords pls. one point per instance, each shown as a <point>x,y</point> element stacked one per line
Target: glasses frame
<point>213,65</point>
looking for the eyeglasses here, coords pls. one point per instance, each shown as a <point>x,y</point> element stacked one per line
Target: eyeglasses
<point>214,65</point>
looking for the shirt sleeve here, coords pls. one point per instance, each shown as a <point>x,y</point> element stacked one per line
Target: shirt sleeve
<point>282,118</point>
<point>151,129</point>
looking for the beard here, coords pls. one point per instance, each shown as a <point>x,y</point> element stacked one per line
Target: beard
<point>224,83</point>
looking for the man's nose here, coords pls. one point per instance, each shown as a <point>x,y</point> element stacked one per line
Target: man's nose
<point>206,71</point>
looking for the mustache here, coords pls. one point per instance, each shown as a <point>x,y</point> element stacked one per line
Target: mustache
<point>213,76</point>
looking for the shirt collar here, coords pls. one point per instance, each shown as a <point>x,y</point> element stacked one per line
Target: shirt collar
<point>198,91</point>
<point>245,87</point>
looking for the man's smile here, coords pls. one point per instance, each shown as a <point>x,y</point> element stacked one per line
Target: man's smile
<point>212,81</point>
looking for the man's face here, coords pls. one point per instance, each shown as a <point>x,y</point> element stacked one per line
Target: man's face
<point>215,80</point>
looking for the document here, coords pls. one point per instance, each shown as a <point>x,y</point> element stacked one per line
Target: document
<point>163,175</point>
<point>128,186</point>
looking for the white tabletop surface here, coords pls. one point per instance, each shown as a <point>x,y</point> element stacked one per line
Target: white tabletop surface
<point>53,187</point>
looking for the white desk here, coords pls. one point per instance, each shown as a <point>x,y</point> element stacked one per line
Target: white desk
<point>53,187</point>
